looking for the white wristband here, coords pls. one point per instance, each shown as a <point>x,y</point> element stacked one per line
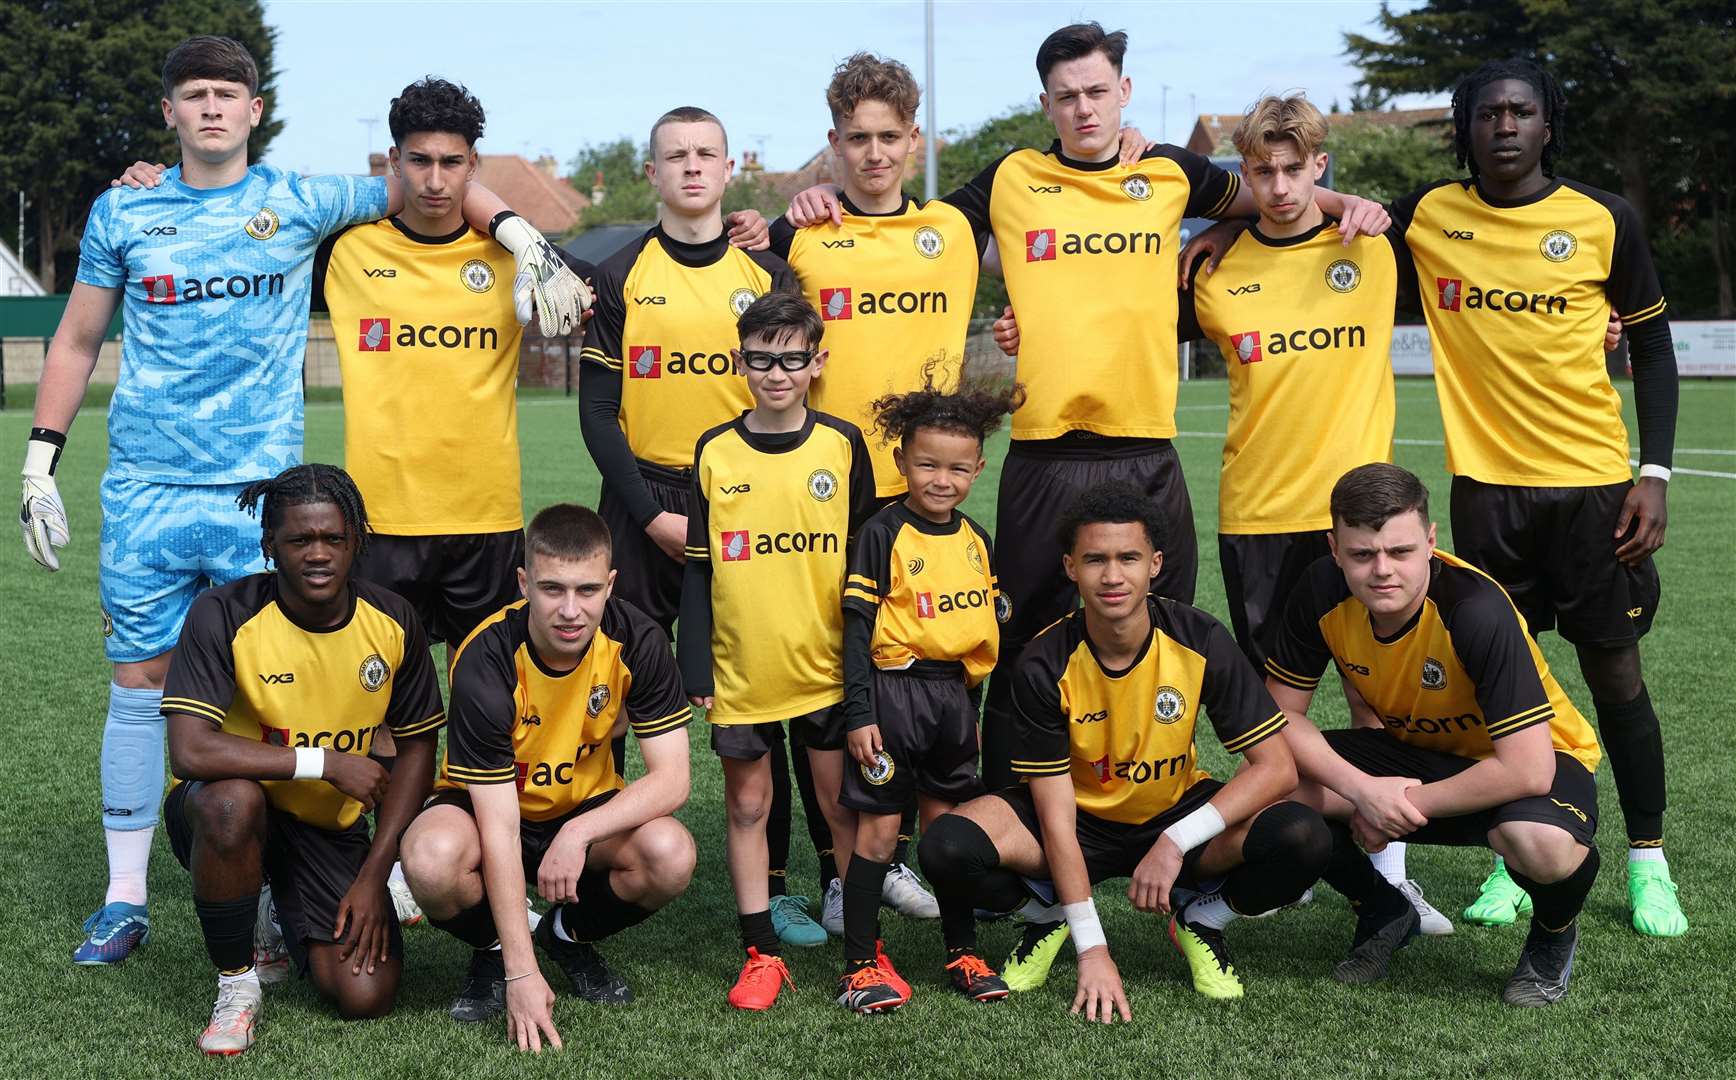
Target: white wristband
<point>1195,829</point>
<point>1658,471</point>
<point>1082,921</point>
<point>309,763</point>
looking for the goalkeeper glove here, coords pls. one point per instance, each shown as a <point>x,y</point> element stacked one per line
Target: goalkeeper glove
<point>557,293</point>
<point>41,514</point>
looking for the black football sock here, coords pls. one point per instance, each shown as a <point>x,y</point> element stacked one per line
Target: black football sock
<point>757,933</point>
<point>228,929</point>
<point>1287,848</point>
<point>474,926</point>
<point>1350,872</point>
<point>1635,744</point>
<point>778,821</point>
<point>862,910</point>
<point>962,864</point>
<point>598,912</point>
<point>1556,905</point>
<point>819,833</point>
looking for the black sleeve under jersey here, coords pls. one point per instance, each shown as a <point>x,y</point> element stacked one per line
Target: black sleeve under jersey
<point>972,200</point>
<point>1636,295</point>
<point>600,426</point>
<point>858,669</point>
<point>484,709</point>
<point>783,234</point>
<point>1299,653</point>
<point>1040,744</point>
<point>414,708</point>
<point>864,502</point>
<point>656,703</point>
<point>870,568</point>
<point>1407,301</point>
<point>1496,653</point>
<point>1234,695</point>
<point>1187,318</point>
<point>201,679</point>
<point>322,258</point>
<point>693,645</point>
<point>1211,188</point>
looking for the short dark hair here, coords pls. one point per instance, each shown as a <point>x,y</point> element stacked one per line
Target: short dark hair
<point>210,57</point>
<point>1369,496</point>
<point>1528,72</point>
<point>780,315</point>
<point>306,485</point>
<point>866,77</point>
<point>433,104</point>
<point>1110,502</point>
<point>1080,39</point>
<point>686,114</point>
<point>566,531</point>
<point>973,408</point>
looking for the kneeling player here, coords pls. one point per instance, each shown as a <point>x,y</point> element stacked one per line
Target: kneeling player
<point>920,634</point>
<point>530,790</point>
<point>1106,701</point>
<point>278,685</point>
<point>1480,745</point>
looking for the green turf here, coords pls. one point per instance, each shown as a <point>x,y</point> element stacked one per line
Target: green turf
<point>1638,1008</point>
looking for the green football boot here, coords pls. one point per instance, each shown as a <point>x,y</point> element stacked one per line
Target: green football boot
<point>1028,967</point>
<point>1500,901</point>
<point>1652,900</point>
<point>1208,958</point>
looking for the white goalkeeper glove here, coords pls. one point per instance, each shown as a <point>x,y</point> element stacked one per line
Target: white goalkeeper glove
<point>41,514</point>
<point>558,294</point>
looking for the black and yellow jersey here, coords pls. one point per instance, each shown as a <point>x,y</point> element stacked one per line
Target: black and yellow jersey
<point>767,530</point>
<point>1517,295</point>
<point>246,666</point>
<point>1127,737</point>
<point>665,323</point>
<point>1089,250</point>
<point>428,345</point>
<point>1460,674</point>
<point>929,590</point>
<point>895,291</point>
<point>1305,327</point>
<point>516,720</point>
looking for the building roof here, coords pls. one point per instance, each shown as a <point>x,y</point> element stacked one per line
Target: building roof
<point>822,168</point>
<point>601,241</point>
<point>16,278</point>
<point>1211,132</point>
<point>548,202</point>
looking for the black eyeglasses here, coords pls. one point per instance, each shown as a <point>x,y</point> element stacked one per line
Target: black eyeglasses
<point>764,361</point>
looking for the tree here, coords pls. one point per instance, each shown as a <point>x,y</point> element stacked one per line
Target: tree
<point>627,195</point>
<point>1651,106</point>
<point>1385,161</point>
<point>85,104</point>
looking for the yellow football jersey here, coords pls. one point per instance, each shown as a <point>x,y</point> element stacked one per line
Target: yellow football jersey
<point>1305,327</point>
<point>516,720</point>
<point>428,345</point>
<point>1089,250</point>
<point>665,319</point>
<point>246,667</point>
<point>929,590</point>
<point>770,519</point>
<point>1461,674</point>
<point>1517,297</point>
<point>895,291</point>
<point>1127,737</point>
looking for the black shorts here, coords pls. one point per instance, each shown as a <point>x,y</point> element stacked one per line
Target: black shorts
<point>1259,572</point>
<point>928,728</point>
<point>645,575</point>
<point>1553,550</point>
<point>822,729</point>
<point>453,582</point>
<point>1112,848</point>
<point>1571,803</point>
<point>309,870</point>
<point>534,837</point>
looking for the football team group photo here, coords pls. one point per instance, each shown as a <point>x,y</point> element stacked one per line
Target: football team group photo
<point>840,660</point>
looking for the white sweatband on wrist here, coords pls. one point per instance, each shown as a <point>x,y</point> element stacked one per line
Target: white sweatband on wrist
<point>1658,471</point>
<point>309,763</point>
<point>1082,921</point>
<point>1195,829</point>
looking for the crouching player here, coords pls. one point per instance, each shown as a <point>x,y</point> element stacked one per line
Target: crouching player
<point>530,790</point>
<point>921,632</point>
<point>1480,744</point>
<point>1106,702</point>
<point>279,683</point>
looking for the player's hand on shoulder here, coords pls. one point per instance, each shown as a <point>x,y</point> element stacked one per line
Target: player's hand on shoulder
<point>749,230</point>
<point>529,1013</point>
<point>1100,995</point>
<point>815,205</point>
<point>141,174</point>
<point>1006,331</point>
<point>1362,217</point>
<point>1211,244</point>
<point>1643,519</point>
<point>669,532</point>
<point>362,931</point>
<point>1155,876</point>
<point>1134,145</point>
<point>41,514</point>
<point>356,775</point>
<point>557,876</point>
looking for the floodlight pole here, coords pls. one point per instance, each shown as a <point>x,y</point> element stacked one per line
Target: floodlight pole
<point>930,168</point>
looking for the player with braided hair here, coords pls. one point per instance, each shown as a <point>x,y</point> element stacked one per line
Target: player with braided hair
<point>279,683</point>
<point>922,615</point>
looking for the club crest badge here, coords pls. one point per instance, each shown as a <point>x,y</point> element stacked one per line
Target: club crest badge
<point>263,225</point>
<point>373,673</point>
<point>1434,675</point>
<point>1558,245</point>
<point>477,276</point>
<point>740,300</point>
<point>1343,276</point>
<point>822,485</point>
<point>1137,186</point>
<point>1168,706</point>
<point>929,242</point>
<point>881,771</point>
<point>598,699</point>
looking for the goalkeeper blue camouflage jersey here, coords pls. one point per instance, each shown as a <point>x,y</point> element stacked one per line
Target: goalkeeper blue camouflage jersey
<point>215,298</point>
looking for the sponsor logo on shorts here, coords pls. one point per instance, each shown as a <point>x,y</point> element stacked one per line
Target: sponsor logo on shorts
<point>1434,675</point>
<point>1169,705</point>
<point>373,673</point>
<point>1570,808</point>
<point>1558,245</point>
<point>822,485</point>
<point>263,224</point>
<point>108,625</point>
<point>598,699</point>
<point>1343,276</point>
<point>879,772</point>
<point>477,276</point>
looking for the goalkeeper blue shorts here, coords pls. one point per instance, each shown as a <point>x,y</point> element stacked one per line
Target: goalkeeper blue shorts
<point>163,544</point>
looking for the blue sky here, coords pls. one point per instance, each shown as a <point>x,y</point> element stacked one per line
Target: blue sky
<point>556,76</point>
